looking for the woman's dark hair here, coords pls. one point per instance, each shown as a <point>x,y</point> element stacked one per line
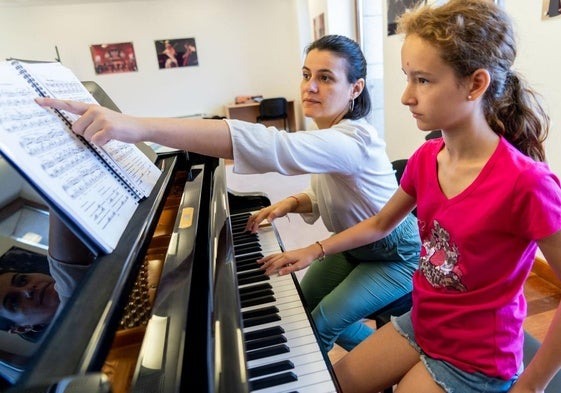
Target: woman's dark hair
<point>349,50</point>
<point>478,34</point>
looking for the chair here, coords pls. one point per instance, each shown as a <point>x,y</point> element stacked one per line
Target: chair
<point>273,109</point>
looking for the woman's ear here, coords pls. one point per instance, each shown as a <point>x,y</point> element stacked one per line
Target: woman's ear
<point>358,87</point>
<point>478,83</point>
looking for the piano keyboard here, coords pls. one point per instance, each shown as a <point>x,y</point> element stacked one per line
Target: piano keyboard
<point>282,352</point>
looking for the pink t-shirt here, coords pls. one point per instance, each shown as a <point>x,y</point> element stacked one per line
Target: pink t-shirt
<point>478,249</point>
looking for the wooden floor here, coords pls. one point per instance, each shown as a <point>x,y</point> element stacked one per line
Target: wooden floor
<point>543,293</point>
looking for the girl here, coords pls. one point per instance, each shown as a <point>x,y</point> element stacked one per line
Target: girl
<point>485,201</point>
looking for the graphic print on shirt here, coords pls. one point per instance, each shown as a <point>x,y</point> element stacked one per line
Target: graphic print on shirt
<point>439,260</point>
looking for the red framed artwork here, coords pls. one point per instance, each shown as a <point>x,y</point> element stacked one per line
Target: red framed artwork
<point>113,58</point>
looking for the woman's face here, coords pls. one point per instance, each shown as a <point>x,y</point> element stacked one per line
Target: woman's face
<point>28,298</point>
<point>434,95</point>
<point>325,91</point>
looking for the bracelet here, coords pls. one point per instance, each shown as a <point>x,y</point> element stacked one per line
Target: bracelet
<point>322,257</point>
<point>297,201</point>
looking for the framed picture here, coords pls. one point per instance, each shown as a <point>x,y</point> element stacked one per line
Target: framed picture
<point>551,8</point>
<point>395,9</point>
<point>113,58</point>
<point>319,26</point>
<point>173,53</point>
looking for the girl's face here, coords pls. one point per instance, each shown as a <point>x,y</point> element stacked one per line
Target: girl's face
<point>434,95</point>
<point>28,298</point>
<point>325,91</point>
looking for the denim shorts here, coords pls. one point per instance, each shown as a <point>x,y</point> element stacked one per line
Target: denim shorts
<point>447,376</point>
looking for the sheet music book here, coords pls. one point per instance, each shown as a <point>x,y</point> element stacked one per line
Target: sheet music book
<point>94,189</point>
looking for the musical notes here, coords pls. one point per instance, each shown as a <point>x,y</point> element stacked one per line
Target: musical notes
<point>62,167</point>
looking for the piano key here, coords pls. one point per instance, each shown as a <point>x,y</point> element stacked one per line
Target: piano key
<point>257,334</point>
<point>310,373</point>
<point>269,369</point>
<point>271,381</point>
<point>265,342</point>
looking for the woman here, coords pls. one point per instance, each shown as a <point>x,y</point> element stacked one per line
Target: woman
<point>352,179</point>
<point>34,287</point>
<point>485,201</point>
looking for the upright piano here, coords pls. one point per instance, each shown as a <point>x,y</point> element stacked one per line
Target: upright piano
<point>180,305</point>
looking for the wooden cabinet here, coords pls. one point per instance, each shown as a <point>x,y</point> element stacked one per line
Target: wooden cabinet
<point>250,111</point>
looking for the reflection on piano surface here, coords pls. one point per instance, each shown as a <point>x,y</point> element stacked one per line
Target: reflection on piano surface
<point>181,302</point>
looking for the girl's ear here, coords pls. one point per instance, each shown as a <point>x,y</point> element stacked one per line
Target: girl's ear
<point>478,83</point>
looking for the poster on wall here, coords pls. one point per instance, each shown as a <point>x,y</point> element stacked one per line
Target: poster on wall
<point>173,53</point>
<point>319,26</point>
<point>113,58</point>
<point>551,8</point>
<point>396,8</point>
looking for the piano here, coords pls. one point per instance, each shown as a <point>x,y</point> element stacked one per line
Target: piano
<point>181,305</point>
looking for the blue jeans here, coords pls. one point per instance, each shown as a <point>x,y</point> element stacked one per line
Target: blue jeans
<point>345,288</point>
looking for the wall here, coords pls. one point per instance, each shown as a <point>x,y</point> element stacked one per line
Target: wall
<point>539,59</point>
<point>241,51</point>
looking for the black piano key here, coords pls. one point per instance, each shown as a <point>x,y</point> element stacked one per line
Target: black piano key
<point>266,332</point>
<point>251,280</point>
<point>256,294</point>
<point>267,352</point>
<point>250,273</point>
<point>267,369</point>
<point>273,380</point>
<point>260,320</point>
<point>245,236</point>
<point>247,266</point>
<point>239,227</point>
<point>265,342</point>
<point>246,248</point>
<point>240,218</point>
<point>242,260</point>
<point>260,311</point>
<point>258,300</point>
<point>259,287</point>
<point>247,260</point>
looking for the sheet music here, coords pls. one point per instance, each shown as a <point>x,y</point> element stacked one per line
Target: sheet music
<point>60,82</point>
<point>60,164</point>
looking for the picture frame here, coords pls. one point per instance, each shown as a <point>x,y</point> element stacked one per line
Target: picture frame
<point>176,53</point>
<point>113,58</point>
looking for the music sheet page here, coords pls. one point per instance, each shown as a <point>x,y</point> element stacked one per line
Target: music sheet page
<point>60,82</point>
<point>59,164</point>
